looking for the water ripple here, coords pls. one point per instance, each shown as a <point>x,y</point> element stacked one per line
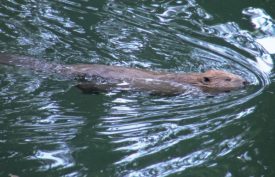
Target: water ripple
<point>46,123</point>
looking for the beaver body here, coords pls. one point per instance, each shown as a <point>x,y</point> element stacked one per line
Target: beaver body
<point>98,78</point>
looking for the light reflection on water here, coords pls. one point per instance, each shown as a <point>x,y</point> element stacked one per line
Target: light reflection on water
<point>145,135</point>
<point>51,128</point>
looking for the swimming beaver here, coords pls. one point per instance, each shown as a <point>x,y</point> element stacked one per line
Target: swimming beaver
<point>99,78</point>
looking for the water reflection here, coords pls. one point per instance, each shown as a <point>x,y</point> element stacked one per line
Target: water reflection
<point>54,159</point>
<point>56,130</point>
<point>35,127</point>
<point>144,134</point>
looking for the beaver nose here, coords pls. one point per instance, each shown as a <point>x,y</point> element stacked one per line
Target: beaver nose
<point>245,83</point>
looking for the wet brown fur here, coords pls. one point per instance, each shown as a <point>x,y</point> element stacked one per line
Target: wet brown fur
<point>98,78</point>
<point>157,82</point>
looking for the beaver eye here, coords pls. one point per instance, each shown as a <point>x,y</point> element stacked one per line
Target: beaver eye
<point>206,79</point>
<point>228,79</point>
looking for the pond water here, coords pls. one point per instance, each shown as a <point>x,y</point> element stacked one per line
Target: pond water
<point>49,128</point>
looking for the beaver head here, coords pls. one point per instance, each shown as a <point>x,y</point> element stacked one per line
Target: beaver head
<point>220,81</point>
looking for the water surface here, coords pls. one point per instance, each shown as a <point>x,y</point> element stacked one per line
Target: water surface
<point>50,128</point>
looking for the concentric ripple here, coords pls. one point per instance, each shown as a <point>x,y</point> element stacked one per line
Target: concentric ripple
<point>49,128</point>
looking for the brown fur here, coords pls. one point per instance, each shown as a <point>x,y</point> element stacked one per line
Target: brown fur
<point>120,78</point>
<point>98,78</point>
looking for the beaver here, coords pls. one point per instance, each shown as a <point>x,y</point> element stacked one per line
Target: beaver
<point>104,78</point>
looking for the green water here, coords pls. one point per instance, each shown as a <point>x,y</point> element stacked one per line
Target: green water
<point>49,128</point>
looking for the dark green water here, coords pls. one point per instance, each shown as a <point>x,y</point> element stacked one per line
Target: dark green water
<point>49,128</point>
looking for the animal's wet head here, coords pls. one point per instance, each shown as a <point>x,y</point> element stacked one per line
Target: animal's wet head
<point>221,81</point>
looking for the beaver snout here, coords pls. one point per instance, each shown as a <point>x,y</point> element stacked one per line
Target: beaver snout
<point>241,83</point>
<point>245,83</point>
